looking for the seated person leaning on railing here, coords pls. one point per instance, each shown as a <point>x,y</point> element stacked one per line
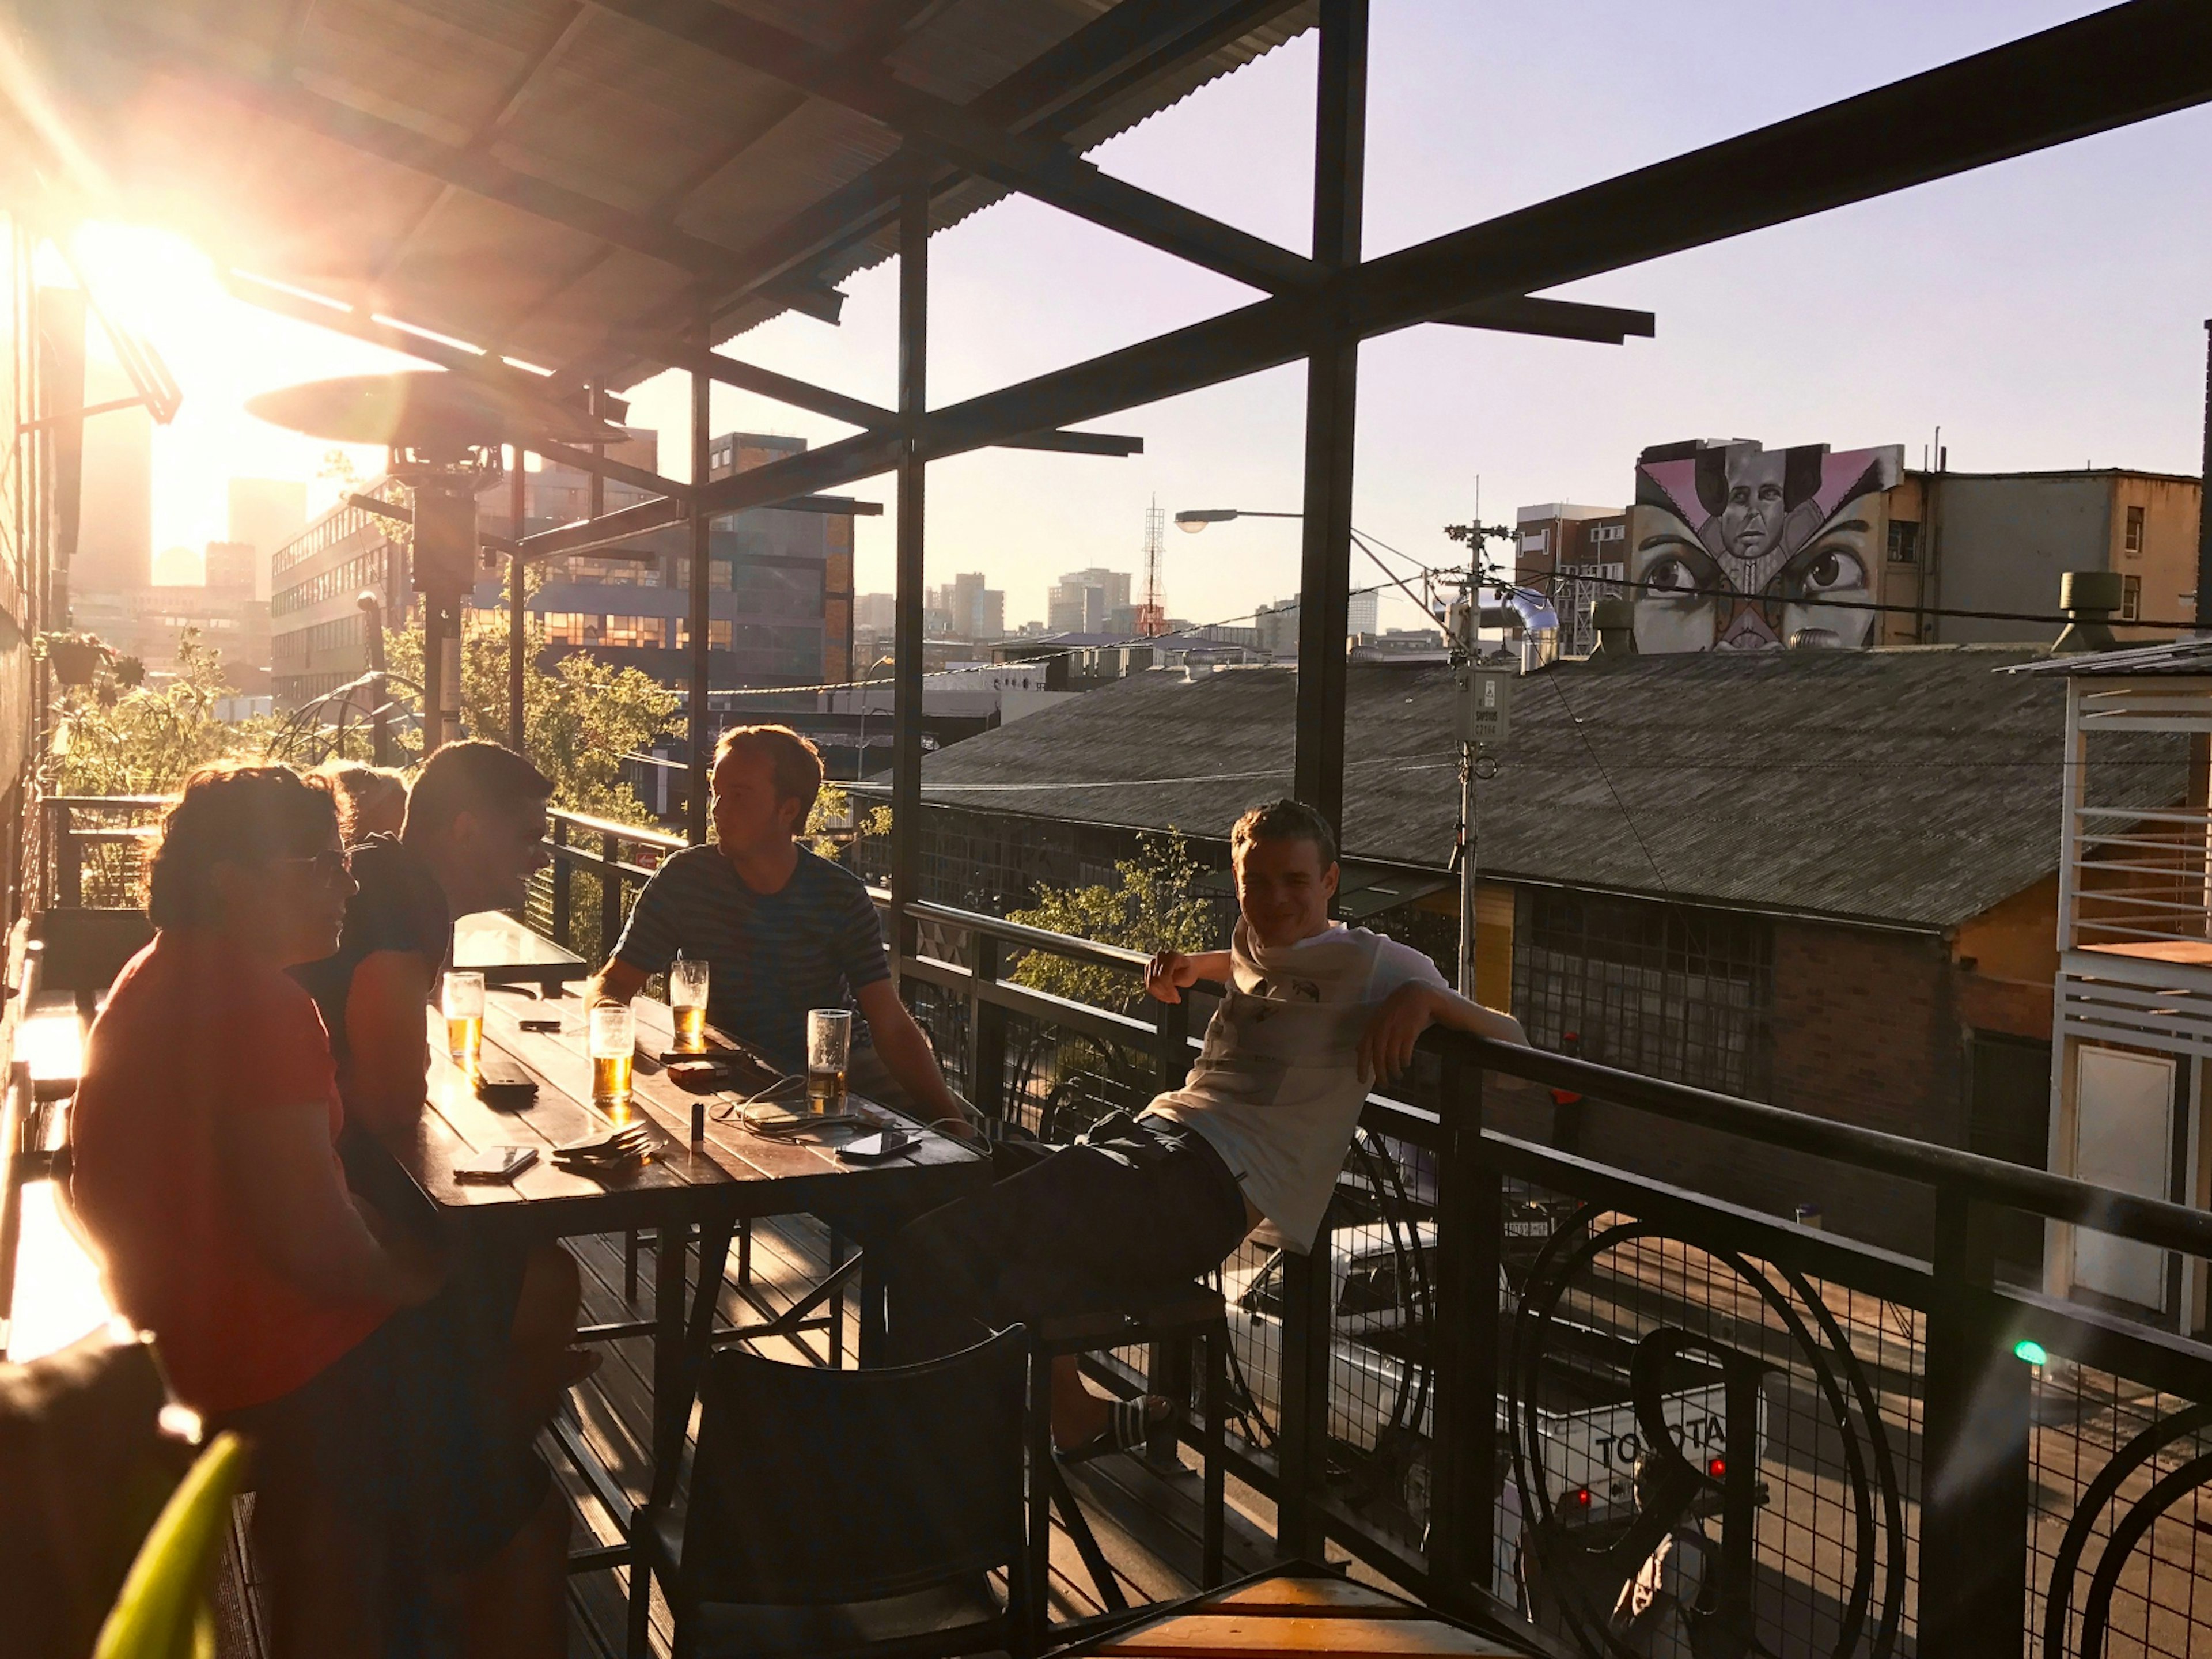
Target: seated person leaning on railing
<point>204,1174</point>
<point>1316,1013</point>
<point>782,931</point>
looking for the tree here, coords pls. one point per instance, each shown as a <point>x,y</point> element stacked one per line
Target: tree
<point>579,719</point>
<point>1151,908</point>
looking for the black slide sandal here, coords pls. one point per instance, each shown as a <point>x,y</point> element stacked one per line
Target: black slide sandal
<point>1129,1424</point>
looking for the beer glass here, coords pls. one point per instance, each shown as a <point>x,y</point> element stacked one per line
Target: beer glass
<point>687,998</point>
<point>614,1046</point>
<point>464,999</point>
<point>828,1048</point>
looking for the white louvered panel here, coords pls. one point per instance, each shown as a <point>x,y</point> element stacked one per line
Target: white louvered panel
<point>2144,1004</point>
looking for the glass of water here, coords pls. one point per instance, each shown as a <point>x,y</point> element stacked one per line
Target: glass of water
<point>464,1001</point>
<point>829,1050</point>
<point>687,999</point>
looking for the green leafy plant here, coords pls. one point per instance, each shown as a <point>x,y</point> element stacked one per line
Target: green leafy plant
<point>162,1612</point>
<point>1149,907</point>
<point>145,740</point>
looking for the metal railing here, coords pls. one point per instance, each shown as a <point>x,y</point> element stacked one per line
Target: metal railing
<point>581,898</point>
<point>92,853</point>
<point>1539,1380</point>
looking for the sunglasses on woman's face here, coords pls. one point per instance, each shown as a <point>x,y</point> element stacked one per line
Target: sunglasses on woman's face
<point>329,867</point>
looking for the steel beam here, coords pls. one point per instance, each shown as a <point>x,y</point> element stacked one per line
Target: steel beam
<point>1037,166</point>
<point>854,411</point>
<point>2146,59</point>
<point>517,606</point>
<point>906,672</point>
<point>1557,319</point>
<point>700,718</point>
<point>591,461</point>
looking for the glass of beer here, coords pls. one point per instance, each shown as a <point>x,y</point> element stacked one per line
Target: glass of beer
<point>464,1001</point>
<point>687,998</point>
<point>614,1046</point>
<point>828,1048</point>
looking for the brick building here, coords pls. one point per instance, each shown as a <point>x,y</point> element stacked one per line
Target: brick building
<point>1823,879</point>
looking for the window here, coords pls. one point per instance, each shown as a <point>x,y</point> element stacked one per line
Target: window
<point>2135,530</point>
<point>2130,597</point>
<point>1667,990</point>
<point>1904,542</point>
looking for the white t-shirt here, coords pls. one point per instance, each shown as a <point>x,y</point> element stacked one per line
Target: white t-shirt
<point>1276,1089</point>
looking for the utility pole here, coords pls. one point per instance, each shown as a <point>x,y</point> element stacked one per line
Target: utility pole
<point>1482,697</point>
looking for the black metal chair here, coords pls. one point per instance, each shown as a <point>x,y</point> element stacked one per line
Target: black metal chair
<point>1168,1322</point>
<point>849,1512</point>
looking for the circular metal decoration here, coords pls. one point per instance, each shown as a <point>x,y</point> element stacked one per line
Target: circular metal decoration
<point>1651,1426</point>
<point>427,410</point>
<point>2133,1525</point>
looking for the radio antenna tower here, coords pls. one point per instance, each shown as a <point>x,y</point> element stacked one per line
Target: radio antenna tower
<point>1152,614</point>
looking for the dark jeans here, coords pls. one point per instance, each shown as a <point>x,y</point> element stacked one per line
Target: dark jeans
<point>1135,1209</point>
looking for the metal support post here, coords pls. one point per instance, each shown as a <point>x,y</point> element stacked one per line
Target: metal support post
<point>610,896</point>
<point>517,601</point>
<point>987,1035</point>
<point>1332,387</point>
<point>1324,585</point>
<point>1463,1468</point>
<point>1973,1548</point>
<point>913,403</point>
<point>2204,610</point>
<point>700,726</point>
<point>561,873</point>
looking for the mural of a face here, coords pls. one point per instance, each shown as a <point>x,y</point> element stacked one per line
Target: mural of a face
<point>1737,547</point>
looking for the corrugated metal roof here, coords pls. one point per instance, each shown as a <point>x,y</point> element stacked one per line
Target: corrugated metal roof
<point>2171,659</point>
<point>307,142</point>
<point>1911,788</point>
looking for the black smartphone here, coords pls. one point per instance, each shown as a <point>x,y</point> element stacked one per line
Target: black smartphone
<point>503,1083</point>
<point>495,1164</point>
<point>549,1025</point>
<point>887,1143</point>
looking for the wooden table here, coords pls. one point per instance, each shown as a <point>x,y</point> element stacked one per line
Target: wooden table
<point>732,1175</point>
<point>1298,1608</point>
<point>504,952</point>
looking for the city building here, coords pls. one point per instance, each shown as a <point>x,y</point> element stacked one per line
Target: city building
<point>115,523</point>
<point>1275,626</point>
<point>1733,545</point>
<point>1574,555</point>
<point>1082,601</point>
<point>318,630</point>
<point>968,609</point>
<point>265,513</point>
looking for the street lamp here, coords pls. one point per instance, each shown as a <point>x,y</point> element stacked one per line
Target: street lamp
<point>1199,518</point>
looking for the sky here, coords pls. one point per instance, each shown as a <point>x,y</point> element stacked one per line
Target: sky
<point>2045,312</point>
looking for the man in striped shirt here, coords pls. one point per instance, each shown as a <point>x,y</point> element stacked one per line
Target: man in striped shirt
<point>781,930</point>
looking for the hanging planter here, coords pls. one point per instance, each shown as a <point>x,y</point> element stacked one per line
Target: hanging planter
<point>77,657</point>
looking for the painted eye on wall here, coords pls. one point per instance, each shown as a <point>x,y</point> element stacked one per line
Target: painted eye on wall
<point>1669,578</point>
<point>1833,569</point>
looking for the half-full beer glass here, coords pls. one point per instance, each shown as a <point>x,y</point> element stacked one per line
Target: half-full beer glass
<point>829,1048</point>
<point>687,998</point>
<point>614,1046</point>
<point>464,999</point>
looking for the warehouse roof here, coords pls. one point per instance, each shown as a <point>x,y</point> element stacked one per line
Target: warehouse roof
<point>540,174</point>
<point>1912,787</point>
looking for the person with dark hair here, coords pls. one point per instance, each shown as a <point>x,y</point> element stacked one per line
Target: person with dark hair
<point>472,835</point>
<point>781,930</point>
<point>203,1170</point>
<point>371,800</point>
<point>1315,1014</point>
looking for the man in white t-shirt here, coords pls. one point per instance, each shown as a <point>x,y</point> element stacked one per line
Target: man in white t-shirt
<point>1315,1014</point>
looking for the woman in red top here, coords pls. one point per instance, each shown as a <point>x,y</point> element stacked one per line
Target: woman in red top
<point>204,1171</point>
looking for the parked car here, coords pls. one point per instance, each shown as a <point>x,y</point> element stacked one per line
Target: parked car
<point>1379,1398</point>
